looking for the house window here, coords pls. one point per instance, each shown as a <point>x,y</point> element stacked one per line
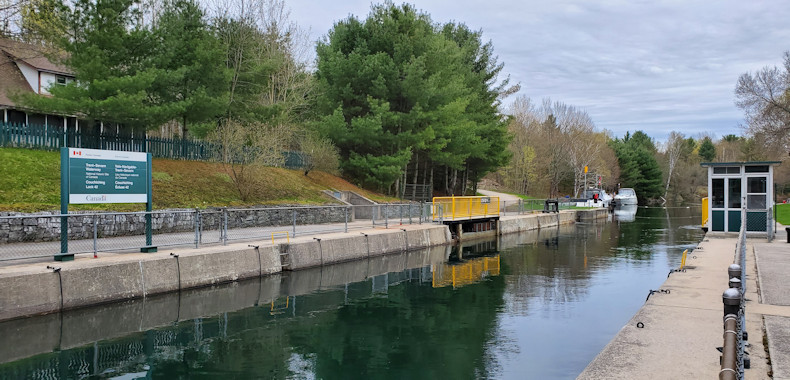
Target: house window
<point>62,80</point>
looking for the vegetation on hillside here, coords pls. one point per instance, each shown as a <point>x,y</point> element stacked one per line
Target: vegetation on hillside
<point>32,183</point>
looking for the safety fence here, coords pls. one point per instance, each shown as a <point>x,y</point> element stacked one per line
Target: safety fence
<point>39,235</point>
<point>528,206</point>
<point>734,358</point>
<point>50,137</point>
<point>464,208</point>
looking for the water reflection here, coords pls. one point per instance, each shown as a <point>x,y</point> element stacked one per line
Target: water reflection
<point>625,213</point>
<point>540,304</point>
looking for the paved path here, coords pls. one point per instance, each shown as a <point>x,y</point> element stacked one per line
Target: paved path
<point>25,253</point>
<point>773,267</point>
<point>507,202</point>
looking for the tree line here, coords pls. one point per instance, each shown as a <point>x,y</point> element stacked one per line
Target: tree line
<point>392,99</point>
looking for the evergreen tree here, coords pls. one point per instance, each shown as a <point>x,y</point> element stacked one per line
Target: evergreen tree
<point>134,75</point>
<point>638,165</point>
<point>707,150</point>
<point>110,55</point>
<point>188,57</point>
<point>398,90</point>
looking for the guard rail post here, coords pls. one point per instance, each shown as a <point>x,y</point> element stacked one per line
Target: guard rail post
<point>224,226</point>
<point>197,227</point>
<point>95,237</point>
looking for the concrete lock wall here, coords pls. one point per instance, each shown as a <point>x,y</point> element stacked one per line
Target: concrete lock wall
<point>70,330</point>
<point>518,224</point>
<point>29,294</point>
<point>83,283</point>
<point>585,215</point>
<point>199,269</point>
<point>90,285</point>
<point>88,282</point>
<point>337,248</point>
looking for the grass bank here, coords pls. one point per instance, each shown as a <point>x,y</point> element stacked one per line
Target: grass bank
<point>30,181</point>
<point>783,213</point>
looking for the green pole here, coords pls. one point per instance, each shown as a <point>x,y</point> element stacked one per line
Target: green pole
<point>149,204</point>
<point>64,206</point>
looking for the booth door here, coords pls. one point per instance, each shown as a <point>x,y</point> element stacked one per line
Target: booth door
<point>757,203</point>
<point>726,204</point>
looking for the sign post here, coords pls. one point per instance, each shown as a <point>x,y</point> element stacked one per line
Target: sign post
<point>89,176</point>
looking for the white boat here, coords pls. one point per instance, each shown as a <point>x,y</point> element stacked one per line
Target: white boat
<point>625,197</point>
<point>595,198</point>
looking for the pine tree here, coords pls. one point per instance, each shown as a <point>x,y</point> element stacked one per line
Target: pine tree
<point>707,150</point>
<point>189,59</point>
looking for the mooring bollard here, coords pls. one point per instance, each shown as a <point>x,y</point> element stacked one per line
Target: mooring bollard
<point>734,270</point>
<point>732,301</point>
<point>735,283</point>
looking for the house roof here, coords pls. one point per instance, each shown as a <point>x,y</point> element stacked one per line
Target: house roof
<point>33,55</point>
<point>740,163</point>
<point>11,81</point>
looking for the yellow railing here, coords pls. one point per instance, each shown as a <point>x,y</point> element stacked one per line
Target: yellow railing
<point>704,211</point>
<point>280,234</point>
<point>453,208</point>
<point>465,273</point>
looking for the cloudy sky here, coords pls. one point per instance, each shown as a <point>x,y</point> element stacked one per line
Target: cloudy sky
<point>657,66</point>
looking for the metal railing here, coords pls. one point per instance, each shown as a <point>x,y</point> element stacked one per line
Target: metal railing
<point>38,235</point>
<point>53,137</point>
<point>734,358</point>
<point>458,208</point>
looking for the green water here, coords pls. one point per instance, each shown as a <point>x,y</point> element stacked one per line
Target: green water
<point>536,305</point>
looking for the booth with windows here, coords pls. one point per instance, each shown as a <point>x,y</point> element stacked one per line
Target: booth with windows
<point>733,185</point>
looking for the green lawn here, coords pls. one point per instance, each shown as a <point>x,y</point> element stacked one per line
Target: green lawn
<point>783,213</point>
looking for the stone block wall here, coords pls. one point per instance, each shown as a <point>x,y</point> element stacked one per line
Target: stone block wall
<point>45,226</point>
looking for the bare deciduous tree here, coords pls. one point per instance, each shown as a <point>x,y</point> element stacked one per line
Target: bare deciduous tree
<point>246,147</point>
<point>551,143</point>
<point>674,147</point>
<point>764,97</point>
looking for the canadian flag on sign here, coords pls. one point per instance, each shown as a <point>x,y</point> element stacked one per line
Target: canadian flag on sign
<point>76,153</point>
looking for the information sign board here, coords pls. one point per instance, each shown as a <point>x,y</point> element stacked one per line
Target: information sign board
<point>106,176</point>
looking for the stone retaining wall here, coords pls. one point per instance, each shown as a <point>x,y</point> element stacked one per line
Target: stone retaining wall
<point>43,226</point>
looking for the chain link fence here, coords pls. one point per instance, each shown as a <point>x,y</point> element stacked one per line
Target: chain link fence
<point>39,235</point>
<point>528,206</point>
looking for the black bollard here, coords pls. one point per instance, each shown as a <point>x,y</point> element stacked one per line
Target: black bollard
<point>732,301</point>
<point>734,270</point>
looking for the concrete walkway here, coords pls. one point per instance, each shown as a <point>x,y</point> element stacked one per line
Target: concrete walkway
<point>682,328</point>
<point>773,267</point>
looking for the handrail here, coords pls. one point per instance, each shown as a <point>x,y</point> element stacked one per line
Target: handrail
<point>458,208</point>
<point>734,358</point>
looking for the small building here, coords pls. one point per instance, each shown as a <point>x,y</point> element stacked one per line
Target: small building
<point>735,185</point>
<point>24,68</point>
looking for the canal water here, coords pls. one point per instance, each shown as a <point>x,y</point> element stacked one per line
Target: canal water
<point>535,305</point>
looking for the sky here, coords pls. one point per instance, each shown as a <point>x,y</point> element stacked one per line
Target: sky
<point>656,66</point>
